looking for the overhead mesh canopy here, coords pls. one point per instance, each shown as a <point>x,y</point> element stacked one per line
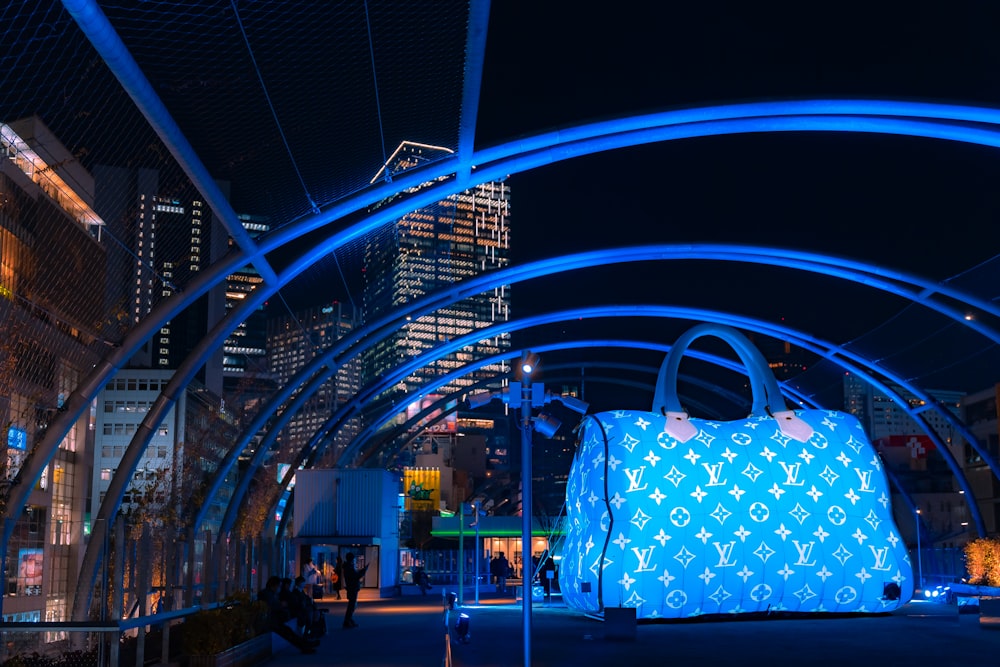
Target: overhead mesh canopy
<point>294,107</point>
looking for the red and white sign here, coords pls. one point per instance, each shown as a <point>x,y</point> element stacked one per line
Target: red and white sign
<point>918,445</point>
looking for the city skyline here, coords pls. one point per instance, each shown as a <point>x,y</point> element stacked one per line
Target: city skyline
<point>873,252</point>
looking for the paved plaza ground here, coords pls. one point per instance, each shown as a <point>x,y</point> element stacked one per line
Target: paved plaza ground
<point>410,630</point>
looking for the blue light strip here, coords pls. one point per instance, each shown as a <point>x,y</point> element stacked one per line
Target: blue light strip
<point>552,371</point>
<point>498,162</point>
<point>869,275</point>
<point>822,348</point>
<point>533,152</point>
<point>475,57</point>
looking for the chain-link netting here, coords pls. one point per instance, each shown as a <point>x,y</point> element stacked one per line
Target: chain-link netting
<point>292,106</point>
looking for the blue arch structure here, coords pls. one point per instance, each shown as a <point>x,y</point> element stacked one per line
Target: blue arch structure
<point>415,423</point>
<point>805,341</point>
<point>901,284</point>
<point>893,282</point>
<point>735,366</point>
<point>903,493</point>
<point>457,399</point>
<point>553,146</point>
<point>950,122</point>
<point>366,447</point>
<point>559,371</point>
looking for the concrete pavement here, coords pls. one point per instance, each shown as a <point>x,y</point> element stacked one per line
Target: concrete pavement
<point>410,631</point>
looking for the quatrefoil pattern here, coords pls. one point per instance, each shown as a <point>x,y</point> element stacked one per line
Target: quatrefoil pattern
<point>740,518</point>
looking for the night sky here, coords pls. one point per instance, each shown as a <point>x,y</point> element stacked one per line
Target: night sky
<point>927,207</point>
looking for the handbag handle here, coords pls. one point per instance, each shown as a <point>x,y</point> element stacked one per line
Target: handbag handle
<point>767,397</point>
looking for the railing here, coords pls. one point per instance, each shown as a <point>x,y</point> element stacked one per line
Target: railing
<point>96,636</point>
<point>938,566</point>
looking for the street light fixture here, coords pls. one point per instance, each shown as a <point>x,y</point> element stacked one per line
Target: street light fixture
<point>522,394</point>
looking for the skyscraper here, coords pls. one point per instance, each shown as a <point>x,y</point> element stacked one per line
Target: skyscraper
<point>172,235</point>
<point>457,238</point>
<point>246,348</point>
<point>292,342</point>
<point>247,380</point>
<point>51,330</point>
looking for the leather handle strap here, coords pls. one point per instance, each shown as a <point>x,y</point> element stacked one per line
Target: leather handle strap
<point>767,397</point>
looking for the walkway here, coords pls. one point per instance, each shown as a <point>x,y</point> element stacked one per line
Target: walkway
<point>409,631</point>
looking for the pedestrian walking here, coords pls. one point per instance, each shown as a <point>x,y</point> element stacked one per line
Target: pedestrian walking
<point>352,586</point>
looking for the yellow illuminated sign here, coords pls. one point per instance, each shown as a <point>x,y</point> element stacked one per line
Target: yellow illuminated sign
<point>422,488</point>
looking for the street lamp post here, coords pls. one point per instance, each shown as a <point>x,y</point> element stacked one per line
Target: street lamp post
<point>521,394</point>
<point>526,431</point>
<point>479,551</point>
<point>461,554</point>
<point>920,569</point>
<point>528,396</point>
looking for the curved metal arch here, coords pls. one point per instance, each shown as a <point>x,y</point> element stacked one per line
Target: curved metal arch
<point>509,158</point>
<point>719,361</point>
<point>895,282</point>
<point>367,448</point>
<point>819,347</point>
<point>403,429</point>
<point>407,430</point>
<point>588,139</point>
<point>556,149</point>
<point>903,493</point>
<point>387,444</point>
<point>948,121</point>
<point>781,332</point>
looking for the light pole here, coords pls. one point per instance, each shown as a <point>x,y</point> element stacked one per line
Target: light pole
<point>479,551</point>
<point>527,396</point>
<point>522,394</point>
<point>527,367</point>
<point>461,554</point>
<point>920,569</point>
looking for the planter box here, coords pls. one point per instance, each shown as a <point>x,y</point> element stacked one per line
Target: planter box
<point>248,654</point>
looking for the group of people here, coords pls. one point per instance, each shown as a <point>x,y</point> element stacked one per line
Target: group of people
<point>283,604</point>
<point>289,599</point>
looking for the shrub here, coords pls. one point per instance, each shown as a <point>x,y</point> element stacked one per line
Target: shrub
<point>214,630</point>
<point>982,561</point>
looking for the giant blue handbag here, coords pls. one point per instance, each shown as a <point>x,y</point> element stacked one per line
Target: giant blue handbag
<point>676,516</point>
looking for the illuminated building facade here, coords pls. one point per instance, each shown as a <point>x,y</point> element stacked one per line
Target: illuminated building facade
<point>292,342</point>
<point>48,336</point>
<point>455,239</point>
<point>172,235</point>
<point>245,350</point>
<point>912,457</point>
<point>184,449</point>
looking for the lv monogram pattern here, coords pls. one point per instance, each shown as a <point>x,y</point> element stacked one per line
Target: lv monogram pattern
<point>739,518</point>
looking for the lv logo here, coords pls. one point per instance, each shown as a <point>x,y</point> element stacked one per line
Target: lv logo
<point>635,479</point>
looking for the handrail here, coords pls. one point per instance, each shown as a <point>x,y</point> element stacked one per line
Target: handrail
<point>105,626</point>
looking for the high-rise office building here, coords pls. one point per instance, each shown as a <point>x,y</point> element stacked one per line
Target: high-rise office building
<point>172,235</point>
<point>245,350</point>
<point>292,342</point>
<point>246,378</point>
<point>184,450</point>
<point>48,329</point>
<point>457,238</point>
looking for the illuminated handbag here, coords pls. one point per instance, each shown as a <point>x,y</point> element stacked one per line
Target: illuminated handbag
<point>678,516</point>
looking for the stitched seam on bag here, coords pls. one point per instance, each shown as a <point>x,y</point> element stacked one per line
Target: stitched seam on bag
<point>611,517</point>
